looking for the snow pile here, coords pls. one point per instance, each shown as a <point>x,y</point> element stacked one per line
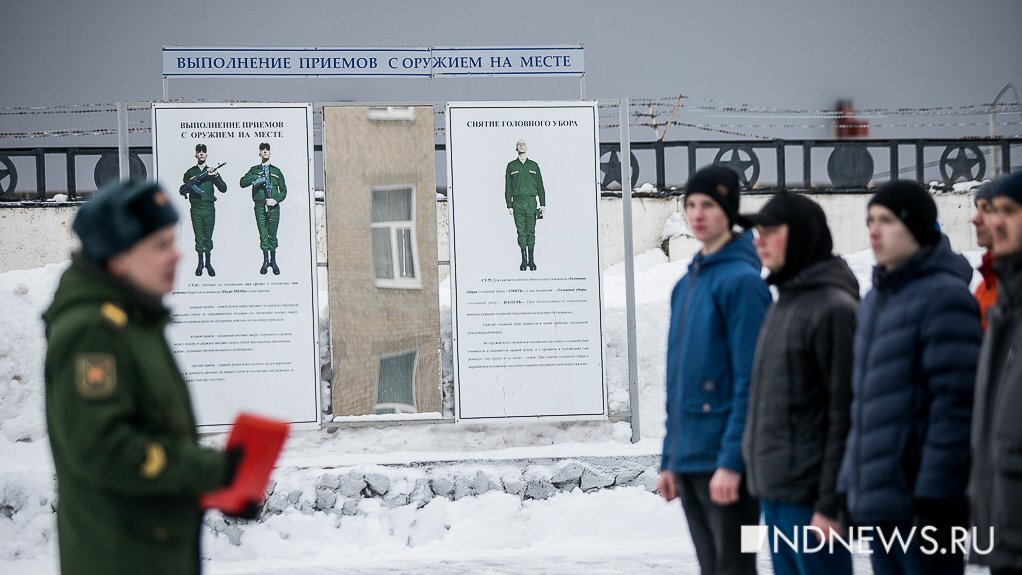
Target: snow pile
<point>26,294</point>
<point>443,529</point>
<point>675,226</point>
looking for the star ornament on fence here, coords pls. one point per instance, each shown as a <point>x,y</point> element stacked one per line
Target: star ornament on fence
<point>968,163</point>
<point>735,158</point>
<point>963,163</point>
<point>611,170</point>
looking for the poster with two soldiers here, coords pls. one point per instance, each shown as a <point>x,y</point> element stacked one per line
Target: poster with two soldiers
<point>245,328</point>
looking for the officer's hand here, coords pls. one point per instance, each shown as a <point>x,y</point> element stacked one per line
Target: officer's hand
<point>511,211</point>
<point>249,511</point>
<point>212,173</point>
<point>271,202</point>
<point>259,181</point>
<point>542,210</point>
<point>234,457</point>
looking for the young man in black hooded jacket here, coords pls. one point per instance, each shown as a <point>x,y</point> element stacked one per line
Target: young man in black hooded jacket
<point>800,390</point>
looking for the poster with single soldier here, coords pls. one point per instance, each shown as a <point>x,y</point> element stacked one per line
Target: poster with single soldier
<point>245,323</point>
<point>525,260</point>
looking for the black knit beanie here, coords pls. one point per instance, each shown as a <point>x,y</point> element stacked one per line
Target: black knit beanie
<point>914,206</point>
<point>721,184</point>
<point>1010,186</point>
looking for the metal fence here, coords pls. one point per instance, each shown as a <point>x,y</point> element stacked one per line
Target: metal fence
<point>762,166</point>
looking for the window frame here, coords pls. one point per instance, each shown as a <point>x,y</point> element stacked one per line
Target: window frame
<point>394,226</point>
<point>399,408</point>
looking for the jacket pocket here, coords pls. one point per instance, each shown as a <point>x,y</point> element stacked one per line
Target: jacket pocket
<point>710,396</point>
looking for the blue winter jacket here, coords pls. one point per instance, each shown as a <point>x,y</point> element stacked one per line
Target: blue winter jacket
<point>716,312</point>
<point>916,346</point>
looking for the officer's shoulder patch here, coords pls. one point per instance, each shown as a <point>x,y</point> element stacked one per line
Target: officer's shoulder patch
<point>155,461</point>
<point>114,314</point>
<point>95,375</point>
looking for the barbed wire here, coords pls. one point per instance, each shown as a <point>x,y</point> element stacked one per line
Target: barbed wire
<point>656,113</point>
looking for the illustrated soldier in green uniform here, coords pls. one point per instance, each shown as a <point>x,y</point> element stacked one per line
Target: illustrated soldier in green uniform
<point>523,186</point>
<point>268,190</point>
<point>129,468</point>
<point>202,178</point>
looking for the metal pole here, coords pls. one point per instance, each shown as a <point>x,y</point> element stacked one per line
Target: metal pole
<point>582,87</point>
<point>166,89</point>
<point>626,198</point>
<point>122,140</point>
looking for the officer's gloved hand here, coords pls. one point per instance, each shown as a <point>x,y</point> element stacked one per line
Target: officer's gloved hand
<point>542,210</point>
<point>260,180</point>
<point>271,202</point>
<point>511,211</point>
<point>234,457</point>
<point>249,511</point>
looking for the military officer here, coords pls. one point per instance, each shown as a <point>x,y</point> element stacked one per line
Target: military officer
<point>268,190</point>
<point>121,427</point>
<point>523,185</point>
<point>202,208</point>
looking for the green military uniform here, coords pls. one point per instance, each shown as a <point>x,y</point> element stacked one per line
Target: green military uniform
<point>202,209</point>
<point>523,185</point>
<point>267,219</point>
<point>129,468</point>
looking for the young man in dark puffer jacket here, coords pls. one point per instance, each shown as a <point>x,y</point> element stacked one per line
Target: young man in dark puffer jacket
<point>800,391</point>
<point>916,346</point>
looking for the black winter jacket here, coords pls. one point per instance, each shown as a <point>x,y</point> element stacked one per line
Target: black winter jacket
<point>800,393</point>
<point>917,342</point>
<point>995,487</point>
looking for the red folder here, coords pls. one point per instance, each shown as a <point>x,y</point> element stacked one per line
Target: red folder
<point>262,441</point>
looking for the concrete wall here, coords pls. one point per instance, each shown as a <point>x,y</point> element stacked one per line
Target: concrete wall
<point>846,216</point>
<point>33,237</point>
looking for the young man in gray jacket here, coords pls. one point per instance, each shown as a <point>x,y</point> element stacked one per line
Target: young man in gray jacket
<point>800,392</point>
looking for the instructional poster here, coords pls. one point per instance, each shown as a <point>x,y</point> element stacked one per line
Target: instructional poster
<point>245,327</point>
<point>525,260</point>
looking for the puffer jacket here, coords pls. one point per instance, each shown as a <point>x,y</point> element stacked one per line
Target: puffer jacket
<point>801,393</point>
<point>995,488</point>
<point>916,346</point>
<point>716,312</point>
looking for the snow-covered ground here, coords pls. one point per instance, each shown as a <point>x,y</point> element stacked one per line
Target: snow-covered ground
<point>609,531</point>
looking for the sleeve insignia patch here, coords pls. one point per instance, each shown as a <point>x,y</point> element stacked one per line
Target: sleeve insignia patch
<point>95,375</point>
<point>155,461</point>
<point>114,314</point>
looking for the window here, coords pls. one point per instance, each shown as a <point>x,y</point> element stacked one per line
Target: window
<point>395,389</point>
<point>395,253</point>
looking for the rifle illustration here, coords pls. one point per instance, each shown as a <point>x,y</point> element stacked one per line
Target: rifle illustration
<point>192,185</point>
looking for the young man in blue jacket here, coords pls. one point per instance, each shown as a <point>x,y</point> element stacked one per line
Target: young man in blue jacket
<point>716,311</point>
<point>917,341</point>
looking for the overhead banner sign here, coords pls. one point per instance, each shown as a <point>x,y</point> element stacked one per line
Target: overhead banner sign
<point>407,62</point>
<point>525,260</point>
<point>245,328</point>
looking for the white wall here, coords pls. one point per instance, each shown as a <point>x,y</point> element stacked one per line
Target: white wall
<point>846,216</point>
<point>36,236</point>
